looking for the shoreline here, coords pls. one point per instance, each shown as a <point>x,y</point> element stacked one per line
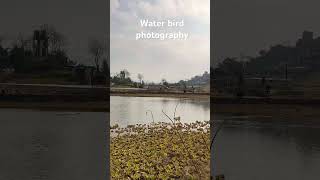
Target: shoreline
<point>264,100</point>
<point>271,112</point>
<point>275,106</point>
<point>156,94</point>
<point>96,106</point>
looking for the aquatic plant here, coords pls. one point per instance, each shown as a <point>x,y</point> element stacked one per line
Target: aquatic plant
<point>161,151</point>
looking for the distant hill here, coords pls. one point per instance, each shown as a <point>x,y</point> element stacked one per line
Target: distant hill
<point>281,70</point>
<point>203,79</point>
<point>278,61</point>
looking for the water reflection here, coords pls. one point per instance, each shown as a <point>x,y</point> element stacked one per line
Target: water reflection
<point>133,110</point>
<point>52,145</point>
<point>262,148</point>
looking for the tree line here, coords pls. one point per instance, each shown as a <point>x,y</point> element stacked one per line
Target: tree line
<point>20,55</point>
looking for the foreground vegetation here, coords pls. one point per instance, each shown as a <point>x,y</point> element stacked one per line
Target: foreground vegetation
<point>161,151</point>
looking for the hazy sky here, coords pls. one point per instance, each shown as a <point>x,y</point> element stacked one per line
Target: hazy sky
<point>79,20</point>
<point>248,26</point>
<point>170,59</point>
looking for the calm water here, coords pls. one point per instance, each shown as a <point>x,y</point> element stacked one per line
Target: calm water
<point>137,110</point>
<point>51,145</point>
<point>247,150</point>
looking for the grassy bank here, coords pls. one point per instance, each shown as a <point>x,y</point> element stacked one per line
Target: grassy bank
<point>161,151</point>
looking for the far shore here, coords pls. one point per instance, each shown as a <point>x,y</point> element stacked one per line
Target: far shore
<point>165,94</point>
<point>141,92</point>
<point>270,112</point>
<point>277,107</point>
<point>96,106</point>
<point>271,108</point>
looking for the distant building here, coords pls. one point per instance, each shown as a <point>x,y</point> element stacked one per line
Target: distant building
<point>40,43</point>
<point>308,47</point>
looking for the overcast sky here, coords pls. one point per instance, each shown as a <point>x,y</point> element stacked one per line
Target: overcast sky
<point>244,26</point>
<point>170,59</point>
<point>248,26</point>
<point>78,20</point>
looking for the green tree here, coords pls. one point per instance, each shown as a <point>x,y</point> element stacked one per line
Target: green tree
<point>164,82</point>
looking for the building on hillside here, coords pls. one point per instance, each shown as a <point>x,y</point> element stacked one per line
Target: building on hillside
<point>308,48</point>
<point>40,43</point>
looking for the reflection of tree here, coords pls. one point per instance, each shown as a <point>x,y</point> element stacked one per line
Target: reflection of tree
<point>165,101</point>
<point>204,104</point>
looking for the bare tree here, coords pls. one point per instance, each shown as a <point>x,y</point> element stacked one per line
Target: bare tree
<point>140,77</point>
<point>96,49</point>
<point>22,41</point>
<point>57,41</point>
<point>1,40</point>
<point>122,75</point>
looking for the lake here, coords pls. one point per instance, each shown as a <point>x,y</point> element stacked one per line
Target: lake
<point>262,150</point>
<point>246,148</point>
<point>139,110</point>
<point>42,145</point>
